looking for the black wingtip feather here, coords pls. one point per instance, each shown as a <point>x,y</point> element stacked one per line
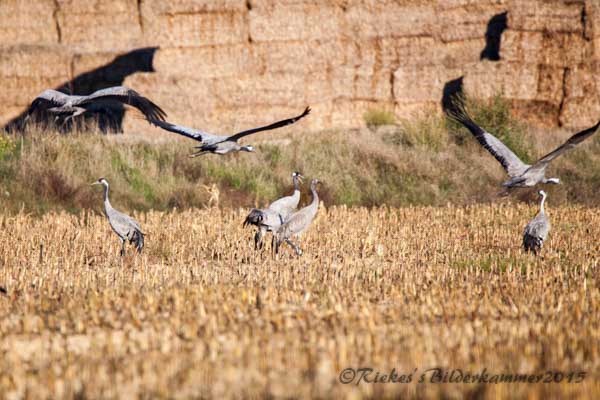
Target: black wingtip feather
<point>579,137</point>
<point>153,111</point>
<point>306,111</point>
<point>160,113</point>
<point>459,114</point>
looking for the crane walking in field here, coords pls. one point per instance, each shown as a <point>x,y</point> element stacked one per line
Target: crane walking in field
<point>67,106</point>
<point>520,174</point>
<point>270,219</point>
<point>298,222</point>
<point>218,144</point>
<point>123,225</point>
<point>536,231</point>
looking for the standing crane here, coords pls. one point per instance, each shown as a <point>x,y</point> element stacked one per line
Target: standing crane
<point>127,228</point>
<point>270,219</point>
<point>536,231</point>
<point>223,144</point>
<point>298,222</point>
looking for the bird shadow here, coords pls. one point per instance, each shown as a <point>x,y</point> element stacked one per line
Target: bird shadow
<point>454,89</point>
<point>111,74</point>
<point>493,37</point>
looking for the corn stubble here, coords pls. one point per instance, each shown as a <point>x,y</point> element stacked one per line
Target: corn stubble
<point>201,314</point>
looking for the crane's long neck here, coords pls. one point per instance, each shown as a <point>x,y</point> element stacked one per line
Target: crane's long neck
<point>315,195</point>
<point>107,205</point>
<point>296,183</point>
<point>296,194</point>
<point>542,204</point>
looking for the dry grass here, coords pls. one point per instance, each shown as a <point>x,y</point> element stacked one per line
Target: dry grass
<point>200,314</point>
<point>378,117</point>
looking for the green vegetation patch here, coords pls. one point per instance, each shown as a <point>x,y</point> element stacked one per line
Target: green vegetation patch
<point>495,117</point>
<point>375,117</point>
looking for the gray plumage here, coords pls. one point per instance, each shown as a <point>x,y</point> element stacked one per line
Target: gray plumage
<point>270,219</point>
<point>298,222</point>
<point>67,106</point>
<point>536,231</point>
<point>285,206</point>
<point>123,225</point>
<point>520,174</point>
<point>223,144</point>
<point>266,220</point>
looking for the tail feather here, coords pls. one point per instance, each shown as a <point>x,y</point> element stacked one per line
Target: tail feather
<point>532,243</point>
<point>255,217</point>
<point>137,238</point>
<point>203,149</point>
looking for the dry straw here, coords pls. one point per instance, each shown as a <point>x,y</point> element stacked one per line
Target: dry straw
<point>201,314</point>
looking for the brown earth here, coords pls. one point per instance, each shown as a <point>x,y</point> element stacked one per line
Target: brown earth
<point>231,63</point>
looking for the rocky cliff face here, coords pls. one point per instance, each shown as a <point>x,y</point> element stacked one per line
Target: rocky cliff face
<point>227,64</point>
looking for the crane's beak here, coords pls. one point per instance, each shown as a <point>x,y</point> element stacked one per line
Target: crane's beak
<point>95,183</point>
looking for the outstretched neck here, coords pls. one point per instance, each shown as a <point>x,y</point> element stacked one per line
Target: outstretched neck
<point>315,195</point>
<point>106,201</point>
<point>296,184</point>
<point>542,204</point>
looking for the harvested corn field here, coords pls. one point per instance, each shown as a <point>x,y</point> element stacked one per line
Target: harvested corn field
<point>201,314</point>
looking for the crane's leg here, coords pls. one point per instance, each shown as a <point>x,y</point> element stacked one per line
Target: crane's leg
<point>122,246</point>
<point>199,153</point>
<point>78,111</point>
<point>277,244</point>
<point>258,239</point>
<point>66,120</point>
<point>297,249</point>
<point>263,233</point>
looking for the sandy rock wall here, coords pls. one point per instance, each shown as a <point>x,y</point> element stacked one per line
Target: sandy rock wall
<point>227,64</point>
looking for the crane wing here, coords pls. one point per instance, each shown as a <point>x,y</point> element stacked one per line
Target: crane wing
<point>295,223</point>
<point>569,144</point>
<point>122,223</point>
<point>191,133</point>
<point>285,206</point>
<point>538,227</point>
<point>267,218</point>
<point>48,99</point>
<point>509,160</point>
<point>275,125</point>
<point>122,94</point>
